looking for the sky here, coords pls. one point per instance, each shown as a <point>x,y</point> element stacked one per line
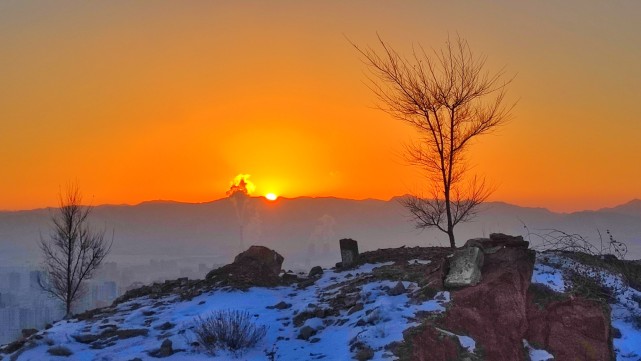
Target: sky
<point>170,100</point>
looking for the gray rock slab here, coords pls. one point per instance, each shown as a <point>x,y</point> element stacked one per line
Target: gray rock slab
<point>465,268</point>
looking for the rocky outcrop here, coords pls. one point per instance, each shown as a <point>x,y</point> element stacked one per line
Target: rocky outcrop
<point>428,344</point>
<point>571,329</point>
<point>258,266</point>
<point>404,254</point>
<point>501,311</point>
<point>498,240</point>
<point>183,287</point>
<point>493,312</point>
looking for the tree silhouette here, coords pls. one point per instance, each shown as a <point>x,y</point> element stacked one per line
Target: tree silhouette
<point>73,251</point>
<point>449,99</point>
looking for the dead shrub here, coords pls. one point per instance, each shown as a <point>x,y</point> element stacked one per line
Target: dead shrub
<point>231,330</point>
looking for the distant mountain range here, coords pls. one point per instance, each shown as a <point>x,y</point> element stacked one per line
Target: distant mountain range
<point>304,230</point>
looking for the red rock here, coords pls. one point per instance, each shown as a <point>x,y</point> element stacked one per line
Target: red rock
<point>493,312</point>
<point>504,240</point>
<point>258,266</point>
<point>498,240</point>
<point>432,345</point>
<point>572,329</point>
<point>263,256</point>
<point>436,272</point>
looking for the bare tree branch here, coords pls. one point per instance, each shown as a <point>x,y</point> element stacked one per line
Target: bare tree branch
<point>450,99</point>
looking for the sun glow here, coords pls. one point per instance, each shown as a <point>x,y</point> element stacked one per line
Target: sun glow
<point>271,196</point>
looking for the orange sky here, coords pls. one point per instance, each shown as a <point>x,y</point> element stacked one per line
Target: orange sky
<point>170,100</point>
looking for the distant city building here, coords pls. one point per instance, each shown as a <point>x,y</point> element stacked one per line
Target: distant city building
<point>26,318</point>
<point>14,281</point>
<point>202,269</point>
<point>34,279</point>
<point>23,304</point>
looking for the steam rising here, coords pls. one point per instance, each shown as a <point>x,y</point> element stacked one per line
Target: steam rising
<point>241,184</point>
<point>239,191</point>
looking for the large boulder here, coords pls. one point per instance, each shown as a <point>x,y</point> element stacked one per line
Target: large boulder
<point>258,266</point>
<point>262,257</point>
<point>571,329</point>
<point>465,268</point>
<point>493,313</point>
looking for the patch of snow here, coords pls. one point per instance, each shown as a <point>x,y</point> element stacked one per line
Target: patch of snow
<point>537,354</point>
<point>419,261</point>
<point>465,341</point>
<point>549,276</point>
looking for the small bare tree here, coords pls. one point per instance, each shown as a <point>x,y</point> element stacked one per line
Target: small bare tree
<point>73,251</point>
<point>448,97</point>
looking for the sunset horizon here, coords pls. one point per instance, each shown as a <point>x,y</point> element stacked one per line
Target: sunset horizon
<point>285,197</point>
<point>175,108</point>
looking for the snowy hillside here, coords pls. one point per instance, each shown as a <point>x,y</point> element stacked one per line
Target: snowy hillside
<point>359,313</point>
<point>386,318</point>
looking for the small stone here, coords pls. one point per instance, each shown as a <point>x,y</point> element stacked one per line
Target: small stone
<point>165,326</point>
<point>27,332</point>
<point>316,271</point>
<point>165,350</point>
<point>280,306</point>
<point>349,252</point>
<point>355,308</point>
<point>397,290</point>
<point>364,354</point>
<point>306,332</point>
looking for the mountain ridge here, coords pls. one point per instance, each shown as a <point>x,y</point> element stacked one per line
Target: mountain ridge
<point>303,227</point>
<point>633,203</point>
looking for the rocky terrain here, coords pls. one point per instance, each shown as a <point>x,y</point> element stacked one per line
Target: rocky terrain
<point>493,299</point>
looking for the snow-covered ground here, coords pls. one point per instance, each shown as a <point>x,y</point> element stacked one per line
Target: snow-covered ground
<point>550,269</point>
<point>393,314</point>
<point>381,321</point>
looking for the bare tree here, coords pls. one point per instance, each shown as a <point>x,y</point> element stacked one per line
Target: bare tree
<point>448,97</point>
<point>73,251</point>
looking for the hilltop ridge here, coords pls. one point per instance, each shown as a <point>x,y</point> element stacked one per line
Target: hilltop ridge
<point>390,304</point>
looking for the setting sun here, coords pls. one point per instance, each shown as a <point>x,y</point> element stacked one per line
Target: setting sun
<point>271,196</point>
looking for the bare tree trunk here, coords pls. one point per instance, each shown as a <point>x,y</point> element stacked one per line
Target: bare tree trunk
<point>450,225</point>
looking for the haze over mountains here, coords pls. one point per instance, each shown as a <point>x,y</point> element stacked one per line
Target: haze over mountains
<point>304,230</point>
